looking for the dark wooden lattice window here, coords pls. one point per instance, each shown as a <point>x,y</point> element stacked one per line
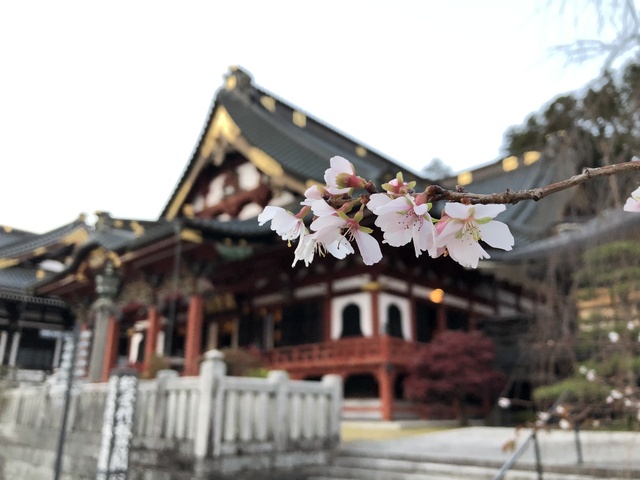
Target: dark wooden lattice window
<point>394,322</point>
<point>351,321</point>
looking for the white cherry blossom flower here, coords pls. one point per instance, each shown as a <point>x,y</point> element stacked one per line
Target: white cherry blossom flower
<point>313,194</point>
<point>283,222</point>
<point>402,220</point>
<point>614,337</point>
<point>309,245</point>
<point>465,225</point>
<point>564,424</point>
<point>591,375</point>
<point>544,416</point>
<point>633,202</point>
<point>504,402</point>
<point>330,228</point>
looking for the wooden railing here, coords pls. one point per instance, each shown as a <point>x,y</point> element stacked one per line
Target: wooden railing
<point>361,350</point>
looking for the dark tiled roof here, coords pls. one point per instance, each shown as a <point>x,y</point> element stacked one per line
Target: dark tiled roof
<point>529,221</point>
<point>10,236</point>
<point>232,228</point>
<point>17,278</point>
<point>608,226</point>
<point>32,242</point>
<point>303,152</point>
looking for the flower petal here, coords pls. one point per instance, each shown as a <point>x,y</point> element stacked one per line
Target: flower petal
<point>458,210</point>
<point>497,235</point>
<point>369,248</point>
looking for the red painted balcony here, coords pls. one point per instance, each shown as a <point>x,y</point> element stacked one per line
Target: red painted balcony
<point>345,352</point>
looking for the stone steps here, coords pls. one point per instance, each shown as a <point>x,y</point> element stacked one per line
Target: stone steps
<point>355,466</point>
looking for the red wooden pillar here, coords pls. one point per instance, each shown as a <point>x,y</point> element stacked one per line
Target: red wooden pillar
<point>111,348</point>
<point>386,379</point>
<point>152,337</point>
<point>193,340</point>
<point>375,313</point>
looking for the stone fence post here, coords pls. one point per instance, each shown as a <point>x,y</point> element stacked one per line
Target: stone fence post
<point>212,372</point>
<point>334,382</point>
<point>161,415</point>
<point>280,378</point>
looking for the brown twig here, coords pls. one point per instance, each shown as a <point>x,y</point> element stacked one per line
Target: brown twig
<point>436,192</point>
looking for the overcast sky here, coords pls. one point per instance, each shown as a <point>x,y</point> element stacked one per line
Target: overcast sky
<point>101,103</point>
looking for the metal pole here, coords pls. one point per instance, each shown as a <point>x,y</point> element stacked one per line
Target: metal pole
<point>536,449</point>
<point>62,436</point>
<point>576,431</point>
<point>514,458</point>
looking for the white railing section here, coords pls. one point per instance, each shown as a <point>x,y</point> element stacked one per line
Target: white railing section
<point>210,415</point>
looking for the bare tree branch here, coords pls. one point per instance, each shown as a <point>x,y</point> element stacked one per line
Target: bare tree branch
<point>436,192</point>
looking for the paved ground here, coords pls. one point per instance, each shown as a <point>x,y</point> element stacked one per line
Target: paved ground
<point>610,450</point>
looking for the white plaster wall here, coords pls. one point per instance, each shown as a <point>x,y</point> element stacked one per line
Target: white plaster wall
<point>385,300</point>
<point>338,304</point>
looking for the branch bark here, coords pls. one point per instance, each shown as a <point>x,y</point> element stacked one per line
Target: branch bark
<point>436,192</point>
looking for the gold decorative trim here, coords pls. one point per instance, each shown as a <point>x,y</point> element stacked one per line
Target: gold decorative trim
<point>39,251</point>
<point>264,162</point>
<point>531,157</point>
<point>299,119</point>
<point>76,237</point>
<point>222,126</point>
<point>268,102</point>
<point>465,178</point>
<point>8,262</point>
<point>230,84</point>
<point>7,229</point>
<point>510,163</point>
<point>191,235</point>
<point>136,227</point>
<point>118,223</point>
<point>188,210</point>
<point>180,196</point>
<point>40,274</point>
<point>99,256</point>
<point>361,151</point>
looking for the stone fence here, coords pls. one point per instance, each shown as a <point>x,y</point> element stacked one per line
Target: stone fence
<point>205,424</point>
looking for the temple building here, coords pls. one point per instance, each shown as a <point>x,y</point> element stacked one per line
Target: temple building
<point>205,275</point>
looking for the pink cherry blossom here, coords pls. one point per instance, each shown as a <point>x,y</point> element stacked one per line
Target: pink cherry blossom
<point>633,202</point>
<point>341,176</point>
<point>330,228</point>
<point>402,220</point>
<point>465,225</point>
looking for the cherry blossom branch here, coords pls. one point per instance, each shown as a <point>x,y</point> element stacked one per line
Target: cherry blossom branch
<point>436,192</point>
